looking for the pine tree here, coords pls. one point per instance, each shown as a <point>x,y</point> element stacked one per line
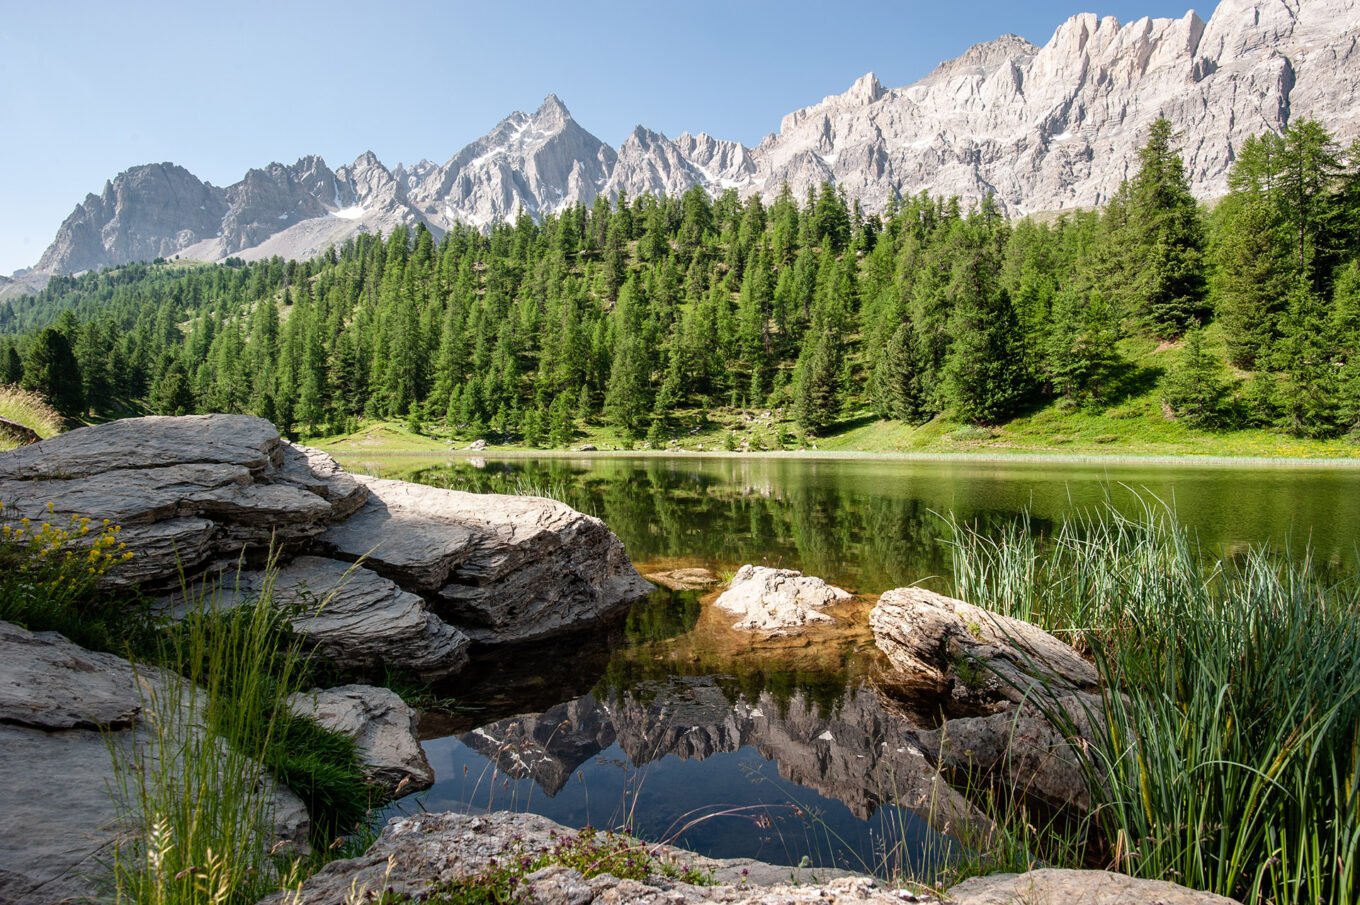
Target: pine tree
<point>51,370</point>
<point>817,382</point>
<point>171,394</point>
<point>1167,239</point>
<point>1195,389</point>
<point>897,379</point>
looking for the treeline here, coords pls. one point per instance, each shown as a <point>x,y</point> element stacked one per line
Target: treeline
<point>649,312</point>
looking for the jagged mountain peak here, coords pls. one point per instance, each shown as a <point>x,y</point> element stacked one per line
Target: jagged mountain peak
<point>1037,128</point>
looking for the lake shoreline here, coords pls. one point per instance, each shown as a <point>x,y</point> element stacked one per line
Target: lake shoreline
<point>354,454</point>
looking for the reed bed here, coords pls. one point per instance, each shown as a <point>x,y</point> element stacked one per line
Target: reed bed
<point>1230,758</point>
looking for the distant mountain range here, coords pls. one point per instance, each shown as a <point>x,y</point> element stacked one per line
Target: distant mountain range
<point>1040,128</point>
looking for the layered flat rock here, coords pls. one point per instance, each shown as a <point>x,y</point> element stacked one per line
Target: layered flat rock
<point>184,490</point>
<point>355,618</point>
<point>65,715</point>
<point>501,568</point>
<point>984,656</point>
<point>382,726</point>
<point>778,600</point>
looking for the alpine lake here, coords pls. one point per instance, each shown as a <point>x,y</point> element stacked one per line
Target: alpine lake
<point>732,744</point>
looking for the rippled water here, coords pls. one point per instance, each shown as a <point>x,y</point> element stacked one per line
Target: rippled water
<point>670,723</point>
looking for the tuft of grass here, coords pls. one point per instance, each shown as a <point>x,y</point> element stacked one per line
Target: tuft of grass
<point>193,793</point>
<point>1230,755</point>
<point>31,410</point>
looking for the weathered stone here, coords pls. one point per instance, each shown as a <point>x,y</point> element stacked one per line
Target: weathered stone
<point>977,654</point>
<point>49,683</point>
<point>382,726</point>
<point>1050,886</point>
<point>689,579</point>
<point>1036,749</point>
<point>65,715</point>
<point>357,619</point>
<point>778,600</point>
<point>184,489</point>
<point>502,568</point>
<point>415,853</point>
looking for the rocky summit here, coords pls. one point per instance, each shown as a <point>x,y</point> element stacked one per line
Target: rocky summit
<point>1040,129</point>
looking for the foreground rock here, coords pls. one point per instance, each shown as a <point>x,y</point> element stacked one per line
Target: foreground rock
<point>975,655</point>
<point>1077,887</point>
<point>185,490</point>
<point>416,854</point>
<point>382,726</point>
<point>503,569</point>
<point>778,600</point>
<point>65,713</point>
<point>199,496</point>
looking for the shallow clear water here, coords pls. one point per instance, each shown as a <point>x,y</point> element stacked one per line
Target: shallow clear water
<point>734,746</point>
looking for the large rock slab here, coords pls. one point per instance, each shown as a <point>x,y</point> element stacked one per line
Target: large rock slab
<point>977,655</point>
<point>415,853</point>
<point>358,620</point>
<point>65,715</point>
<point>501,568</point>
<point>185,490</point>
<point>381,724</point>
<point>780,601</point>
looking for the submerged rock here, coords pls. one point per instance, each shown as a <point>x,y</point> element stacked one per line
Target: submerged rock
<point>1036,749</point>
<point>975,654</point>
<point>688,579</point>
<point>381,724</point>
<point>65,714</point>
<point>778,600</point>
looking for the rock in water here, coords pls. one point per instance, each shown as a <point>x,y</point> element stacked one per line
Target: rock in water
<point>382,726</point>
<point>779,601</point>
<point>688,579</point>
<point>501,568</point>
<point>64,712</point>
<point>936,640</point>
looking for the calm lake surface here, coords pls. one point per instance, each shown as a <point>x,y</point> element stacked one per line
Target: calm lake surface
<point>736,746</point>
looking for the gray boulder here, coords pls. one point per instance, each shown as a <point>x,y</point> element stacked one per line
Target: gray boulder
<point>380,723</point>
<point>933,640</point>
<point>778,601</point>
<point>352,616</point>
<point>185,490</point>
<point>200,496</point>
<point>501,568</point>
<point>65,715</point>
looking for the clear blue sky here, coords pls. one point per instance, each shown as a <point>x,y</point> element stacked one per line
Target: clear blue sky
<point>88,89</point>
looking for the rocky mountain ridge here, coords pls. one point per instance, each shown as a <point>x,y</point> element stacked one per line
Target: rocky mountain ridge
<point>1038,128</point>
